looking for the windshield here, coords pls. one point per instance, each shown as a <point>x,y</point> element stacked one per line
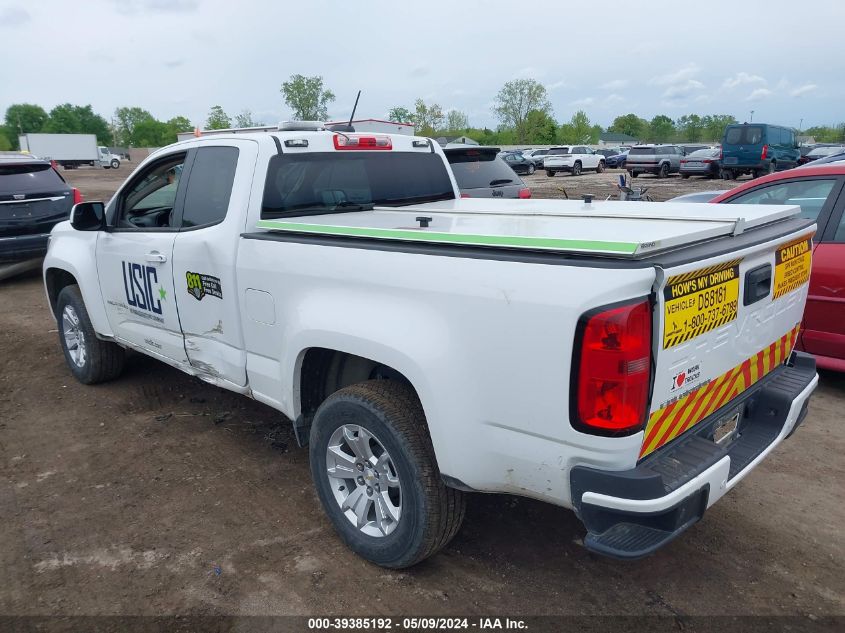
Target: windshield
<point>826,151</point>
<point>324,182</point>
<point>474,169</point>
<point>744,135</point>
<point>704,153</point>
<point>28,178</point>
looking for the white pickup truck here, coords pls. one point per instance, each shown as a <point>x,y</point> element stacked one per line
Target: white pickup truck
<point>631,361</point>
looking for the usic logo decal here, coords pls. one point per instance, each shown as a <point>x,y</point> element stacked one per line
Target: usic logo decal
<point>138,283</point>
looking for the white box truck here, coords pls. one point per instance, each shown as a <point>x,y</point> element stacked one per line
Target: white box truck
<point>69,150</point>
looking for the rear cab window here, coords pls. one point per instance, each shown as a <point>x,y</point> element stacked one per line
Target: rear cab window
<point>325,182</point>
<point>476,169</point>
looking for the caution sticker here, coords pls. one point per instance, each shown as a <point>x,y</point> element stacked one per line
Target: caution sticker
<point>792,266</point>
<point>700,301</point>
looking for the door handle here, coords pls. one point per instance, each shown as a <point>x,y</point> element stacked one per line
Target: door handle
<point>156,257</point>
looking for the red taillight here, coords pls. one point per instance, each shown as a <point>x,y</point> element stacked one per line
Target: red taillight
<point>721,153</point>
<point>525,193</point>
<point>765,151</point>
<point>684,161</point>
<point>614,370</point>
<point>707,160</point>
<point>362,141</point>
<point>465,195</point>
<point>77,196</point>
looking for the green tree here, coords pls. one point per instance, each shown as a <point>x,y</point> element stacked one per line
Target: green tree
<point>540,128</point>
<point>71,119</point>
<point>661,129</point>
<point>151,133</point>
<point>456,121</point>
<point>827,133</point>
<point>127,120</point>
<point>5,135</point>
<point>516,99</point>
<point>691,127</point>
<point>244,119</point>
<point>579,130</point>
<point>400,114</point>
<point>218,119</point>
<point>25,117</point>
<point>715,124</point>
<point>307,98</point>
<point>629,124</point>
<point>427,119</point>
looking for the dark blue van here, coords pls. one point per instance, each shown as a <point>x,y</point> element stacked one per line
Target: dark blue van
<point>758,149</point>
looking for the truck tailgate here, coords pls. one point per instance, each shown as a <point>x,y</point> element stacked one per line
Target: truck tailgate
<point>721,325</point>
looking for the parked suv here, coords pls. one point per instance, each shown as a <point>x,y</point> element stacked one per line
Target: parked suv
<point>660,160</point>
<point>758,149</point>
<point>480,173</point>
<point>574,159</point>
<point>33,199</point>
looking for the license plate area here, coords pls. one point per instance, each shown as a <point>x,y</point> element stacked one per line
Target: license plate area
<point>726,428</point>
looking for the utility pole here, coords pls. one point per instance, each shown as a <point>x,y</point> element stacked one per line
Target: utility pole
<point>801,125</point>
<point>751,120</point>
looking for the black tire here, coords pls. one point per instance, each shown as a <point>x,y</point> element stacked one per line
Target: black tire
<point>600,168</point>
<point>431,512</point>
<point>634,174</point>
<point>685,176</point>
<point>576,168</point>
<point>103,360</point>
<point>550,173</point>
<point>115,164</point>
<point>663,172</point>
<point>773,167</point>
<point>531,169</point>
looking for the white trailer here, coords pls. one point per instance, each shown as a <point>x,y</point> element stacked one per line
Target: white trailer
<point>69,150</point>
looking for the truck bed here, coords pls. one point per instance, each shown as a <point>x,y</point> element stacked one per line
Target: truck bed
<point>630,231</point>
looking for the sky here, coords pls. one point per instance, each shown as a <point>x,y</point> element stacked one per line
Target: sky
<point>180,57</point>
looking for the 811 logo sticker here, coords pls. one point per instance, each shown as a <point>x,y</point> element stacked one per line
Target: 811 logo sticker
<point>792,266</point>
<point>200,285</point>
<point>699,301</point>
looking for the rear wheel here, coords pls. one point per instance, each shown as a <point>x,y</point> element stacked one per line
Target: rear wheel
<point>684,176</point>
<point>634,174</point>
<point>600,168</point>
<point>376,475</point>
<point>531,169</point>
<point>89,359</point>
<point>550,173</point>
<point>576,169</point>
<point>664,171</point>
<point>773,167</point>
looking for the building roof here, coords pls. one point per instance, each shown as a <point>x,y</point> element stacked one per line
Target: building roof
<point>616,137</point>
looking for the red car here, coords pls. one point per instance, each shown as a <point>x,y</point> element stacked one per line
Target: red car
<point>818,191</point>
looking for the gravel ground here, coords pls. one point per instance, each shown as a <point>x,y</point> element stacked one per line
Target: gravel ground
<point>159,494</point>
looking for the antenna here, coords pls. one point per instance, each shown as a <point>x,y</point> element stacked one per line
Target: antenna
<point>355,107</point>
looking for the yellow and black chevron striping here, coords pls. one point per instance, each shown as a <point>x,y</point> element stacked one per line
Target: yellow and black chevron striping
<point>671,420</point>
<point>671,341</point>
<point>676,279</point>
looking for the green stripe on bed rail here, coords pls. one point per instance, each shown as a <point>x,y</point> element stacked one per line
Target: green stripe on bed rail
<point>454,238</point>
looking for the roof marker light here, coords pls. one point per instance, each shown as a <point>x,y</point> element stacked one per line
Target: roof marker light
<point>296,142</point>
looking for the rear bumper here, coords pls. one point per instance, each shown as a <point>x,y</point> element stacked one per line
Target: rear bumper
<point>630,514</point>
<point>22,247</point>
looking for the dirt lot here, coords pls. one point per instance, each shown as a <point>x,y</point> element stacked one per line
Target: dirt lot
<point>158,494</point>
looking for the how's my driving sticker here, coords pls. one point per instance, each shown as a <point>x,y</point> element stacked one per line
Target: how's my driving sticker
<point>200,285</point>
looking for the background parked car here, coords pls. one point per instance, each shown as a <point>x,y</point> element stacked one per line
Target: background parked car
<point>33,199</point>
<point>704,162</point>
<point>758,149</point>
<point>821,152</point>
<point>519,163</point>
<point>606,152</point>
<point>660,160</point>
<point>617,160</point>
<point>827,160</point>
<point>536,156</point>
<point>573,159</point>
<point>819,193</point>
<point>698,196</point>
<point>480,173</point>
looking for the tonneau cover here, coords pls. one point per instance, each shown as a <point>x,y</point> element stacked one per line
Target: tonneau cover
<point>608,228</point>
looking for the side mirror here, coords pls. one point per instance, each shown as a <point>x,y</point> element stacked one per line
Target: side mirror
<point>88,216</point>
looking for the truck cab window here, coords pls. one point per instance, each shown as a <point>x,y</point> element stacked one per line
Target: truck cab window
<point>209,186</point>
<point>148,202</point>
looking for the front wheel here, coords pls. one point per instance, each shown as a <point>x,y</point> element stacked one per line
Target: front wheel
<point>376,475</point>
<point>600,168</point>
<point>90,360</point>
<point>550,173</point>
<point>115,164</point>
<point>531,169</point>
<point>576,169</point>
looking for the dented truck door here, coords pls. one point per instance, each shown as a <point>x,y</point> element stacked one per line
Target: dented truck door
<point>212,218</point>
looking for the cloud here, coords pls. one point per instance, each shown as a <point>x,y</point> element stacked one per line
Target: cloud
<point>419,71</point>
<point>530,72</point>
<point>174,63</point>
<point>615,84</point>
<point>802,90</point>
<point>759,93</point>
<point>155,6</point>
<point>741,79</point>
<point>579,103</point>
<point>614,98</point>
<point>14,16</point>
<point>675,77</point>
<point>556,85</point>
<point>682,90</point>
